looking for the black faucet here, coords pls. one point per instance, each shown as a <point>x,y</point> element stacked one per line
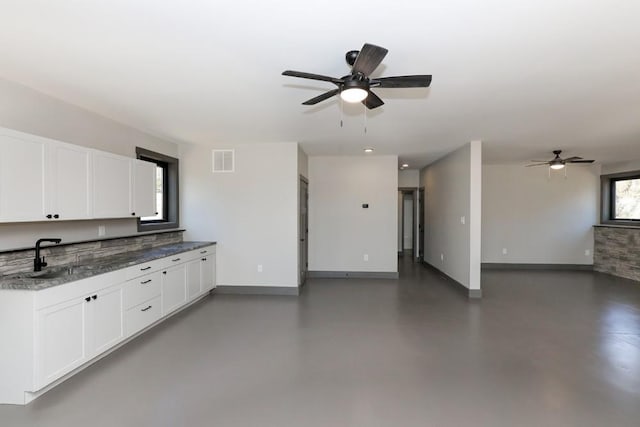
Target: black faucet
<point>37,262</point>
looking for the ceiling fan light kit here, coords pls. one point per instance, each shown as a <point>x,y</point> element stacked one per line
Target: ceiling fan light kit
<point>356,87</point>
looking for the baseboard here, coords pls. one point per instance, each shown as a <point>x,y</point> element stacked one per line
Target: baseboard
<point>471,293</point>
<point>353,274</point>
<point>509,266</point>
<point>257,290</point>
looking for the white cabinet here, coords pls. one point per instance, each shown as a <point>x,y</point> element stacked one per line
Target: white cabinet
<point>112,185</point>
<point>144,188</point>
<point>208,272</point>
<point>60,340</point>
<point>68,182</point>
<point>72,332</point>
<point>174,288</point>
<point>194,285</point>
<point>104,320</point>
<point>22,178</point>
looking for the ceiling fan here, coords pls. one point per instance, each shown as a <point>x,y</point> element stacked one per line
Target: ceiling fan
<point>356,87</point>
<point>558,162</point>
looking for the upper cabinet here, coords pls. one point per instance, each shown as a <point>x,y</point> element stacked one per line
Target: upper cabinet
<point>67,182</point>
<point>47,180</point>
<point>22,181</point>
<point>112,185</point>
<point>144,188</point>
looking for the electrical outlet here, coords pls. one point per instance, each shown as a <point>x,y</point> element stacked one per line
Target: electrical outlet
<point>504,251</point>
<point>442,257</point>
<point>259,268</point>
<point>366,257</point>
<point>587,252</point>
<point>462,220</point>
<point>101,231</point>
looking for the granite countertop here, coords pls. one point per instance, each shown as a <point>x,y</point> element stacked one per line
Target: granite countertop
<point>23,281</point>
<point>632,226</point>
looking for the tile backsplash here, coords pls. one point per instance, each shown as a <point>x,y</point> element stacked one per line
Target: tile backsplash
<point>22,260</point>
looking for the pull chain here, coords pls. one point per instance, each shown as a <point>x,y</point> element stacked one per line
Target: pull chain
<point>341,110</point>
<point>365,118</point>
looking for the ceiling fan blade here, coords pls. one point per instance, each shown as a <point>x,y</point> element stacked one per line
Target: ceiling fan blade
<point>372,101</point>
<point>539,161</point>
<point>368,59</point>
<point>311,76</point>
<point>579,161</point>
<point>402,81</point>
<point>537,164</point>
<point>571,159</point>
<point>322,97</point>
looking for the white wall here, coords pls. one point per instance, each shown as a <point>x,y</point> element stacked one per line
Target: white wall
<point>539,220</point>
<point>251,213</point>
<point>341,232</point>
<point>409,178</point>
<point>29,111</point>
<point>451,245</point>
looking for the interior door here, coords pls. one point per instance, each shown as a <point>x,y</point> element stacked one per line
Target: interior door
<point>303,232</point>
<point>421,224</point>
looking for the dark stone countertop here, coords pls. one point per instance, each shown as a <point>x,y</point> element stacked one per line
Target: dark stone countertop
<point>630,226</point>
<point>22,281</point>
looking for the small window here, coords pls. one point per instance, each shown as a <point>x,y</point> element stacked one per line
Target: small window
<point>625,199</point>
<point>166,192</point>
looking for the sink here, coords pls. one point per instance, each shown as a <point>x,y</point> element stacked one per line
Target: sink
<point>52,273</point>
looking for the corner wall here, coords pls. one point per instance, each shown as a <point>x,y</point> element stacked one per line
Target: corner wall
<point>341,231</point>
<point>539,219</point>
<point>453,215</point>
<point>251,213</point>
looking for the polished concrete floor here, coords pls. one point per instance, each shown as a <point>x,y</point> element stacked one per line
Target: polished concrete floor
<point>540,349</point>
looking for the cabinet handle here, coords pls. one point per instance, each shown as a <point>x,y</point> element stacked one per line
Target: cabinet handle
<point>88,299</point>
<point>203,252</point>
<point>145,309</point>
<point>175,260</point>
<point>95,297</point>
<point>145,282</point>
<point>204,259</point>
<point>133,214</point>
<point>49,216</point>
<point>56,216</point>
<point>164,272</point>
<point>146,268</point>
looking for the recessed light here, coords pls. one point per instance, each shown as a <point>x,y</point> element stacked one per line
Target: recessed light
<point>404,165</point>
<point>368,150</point>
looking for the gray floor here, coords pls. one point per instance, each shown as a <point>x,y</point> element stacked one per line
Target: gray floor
<point>540,349</point>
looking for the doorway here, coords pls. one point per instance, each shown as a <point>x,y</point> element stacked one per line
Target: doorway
<point>303,231</point>
<point>407,224</point>
<point>421,224</point>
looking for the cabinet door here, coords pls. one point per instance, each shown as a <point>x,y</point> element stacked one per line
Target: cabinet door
<point>60,340</point>
<point>144,191</point>
<point>68,181</point>
<point>112,186</point>
<point>208,272</point>
<point>21,179</point>
<point>174,288</point>
<point>193,278</point>
<point>104,320</point>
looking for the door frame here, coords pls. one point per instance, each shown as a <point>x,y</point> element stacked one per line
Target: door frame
<point>303,235</point>
<point>413,191</point>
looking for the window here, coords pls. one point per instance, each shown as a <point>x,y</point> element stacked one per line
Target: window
<point>621,198</point>
<point>166,192</point>
<point>625,196</point>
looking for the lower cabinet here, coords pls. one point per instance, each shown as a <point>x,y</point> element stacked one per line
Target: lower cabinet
<point>174,288</point>
<point>70,333</point>
<point>77,322</point>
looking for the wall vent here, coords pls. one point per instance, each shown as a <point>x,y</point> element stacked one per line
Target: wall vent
<point>223,161</point>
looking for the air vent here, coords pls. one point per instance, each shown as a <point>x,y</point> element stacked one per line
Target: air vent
<point>223,161</point>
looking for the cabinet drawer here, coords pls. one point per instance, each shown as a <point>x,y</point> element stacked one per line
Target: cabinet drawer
<point>141,316</point>
<point>146,268</point>
<point>141,289</point>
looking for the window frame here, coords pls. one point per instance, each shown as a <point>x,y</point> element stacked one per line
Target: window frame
<point>170,194</point>
<point>608,198</point>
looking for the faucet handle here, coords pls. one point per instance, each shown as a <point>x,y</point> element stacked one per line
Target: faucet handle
<point>42,262</point>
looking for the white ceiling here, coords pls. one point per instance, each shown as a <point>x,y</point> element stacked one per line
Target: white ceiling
<point>524,76</point>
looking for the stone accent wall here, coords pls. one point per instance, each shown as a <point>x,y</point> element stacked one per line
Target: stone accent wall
<point>22,260</point>
<point>617,251</point>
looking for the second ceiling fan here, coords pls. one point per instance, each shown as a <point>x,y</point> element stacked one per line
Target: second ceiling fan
<point>356,87</point>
